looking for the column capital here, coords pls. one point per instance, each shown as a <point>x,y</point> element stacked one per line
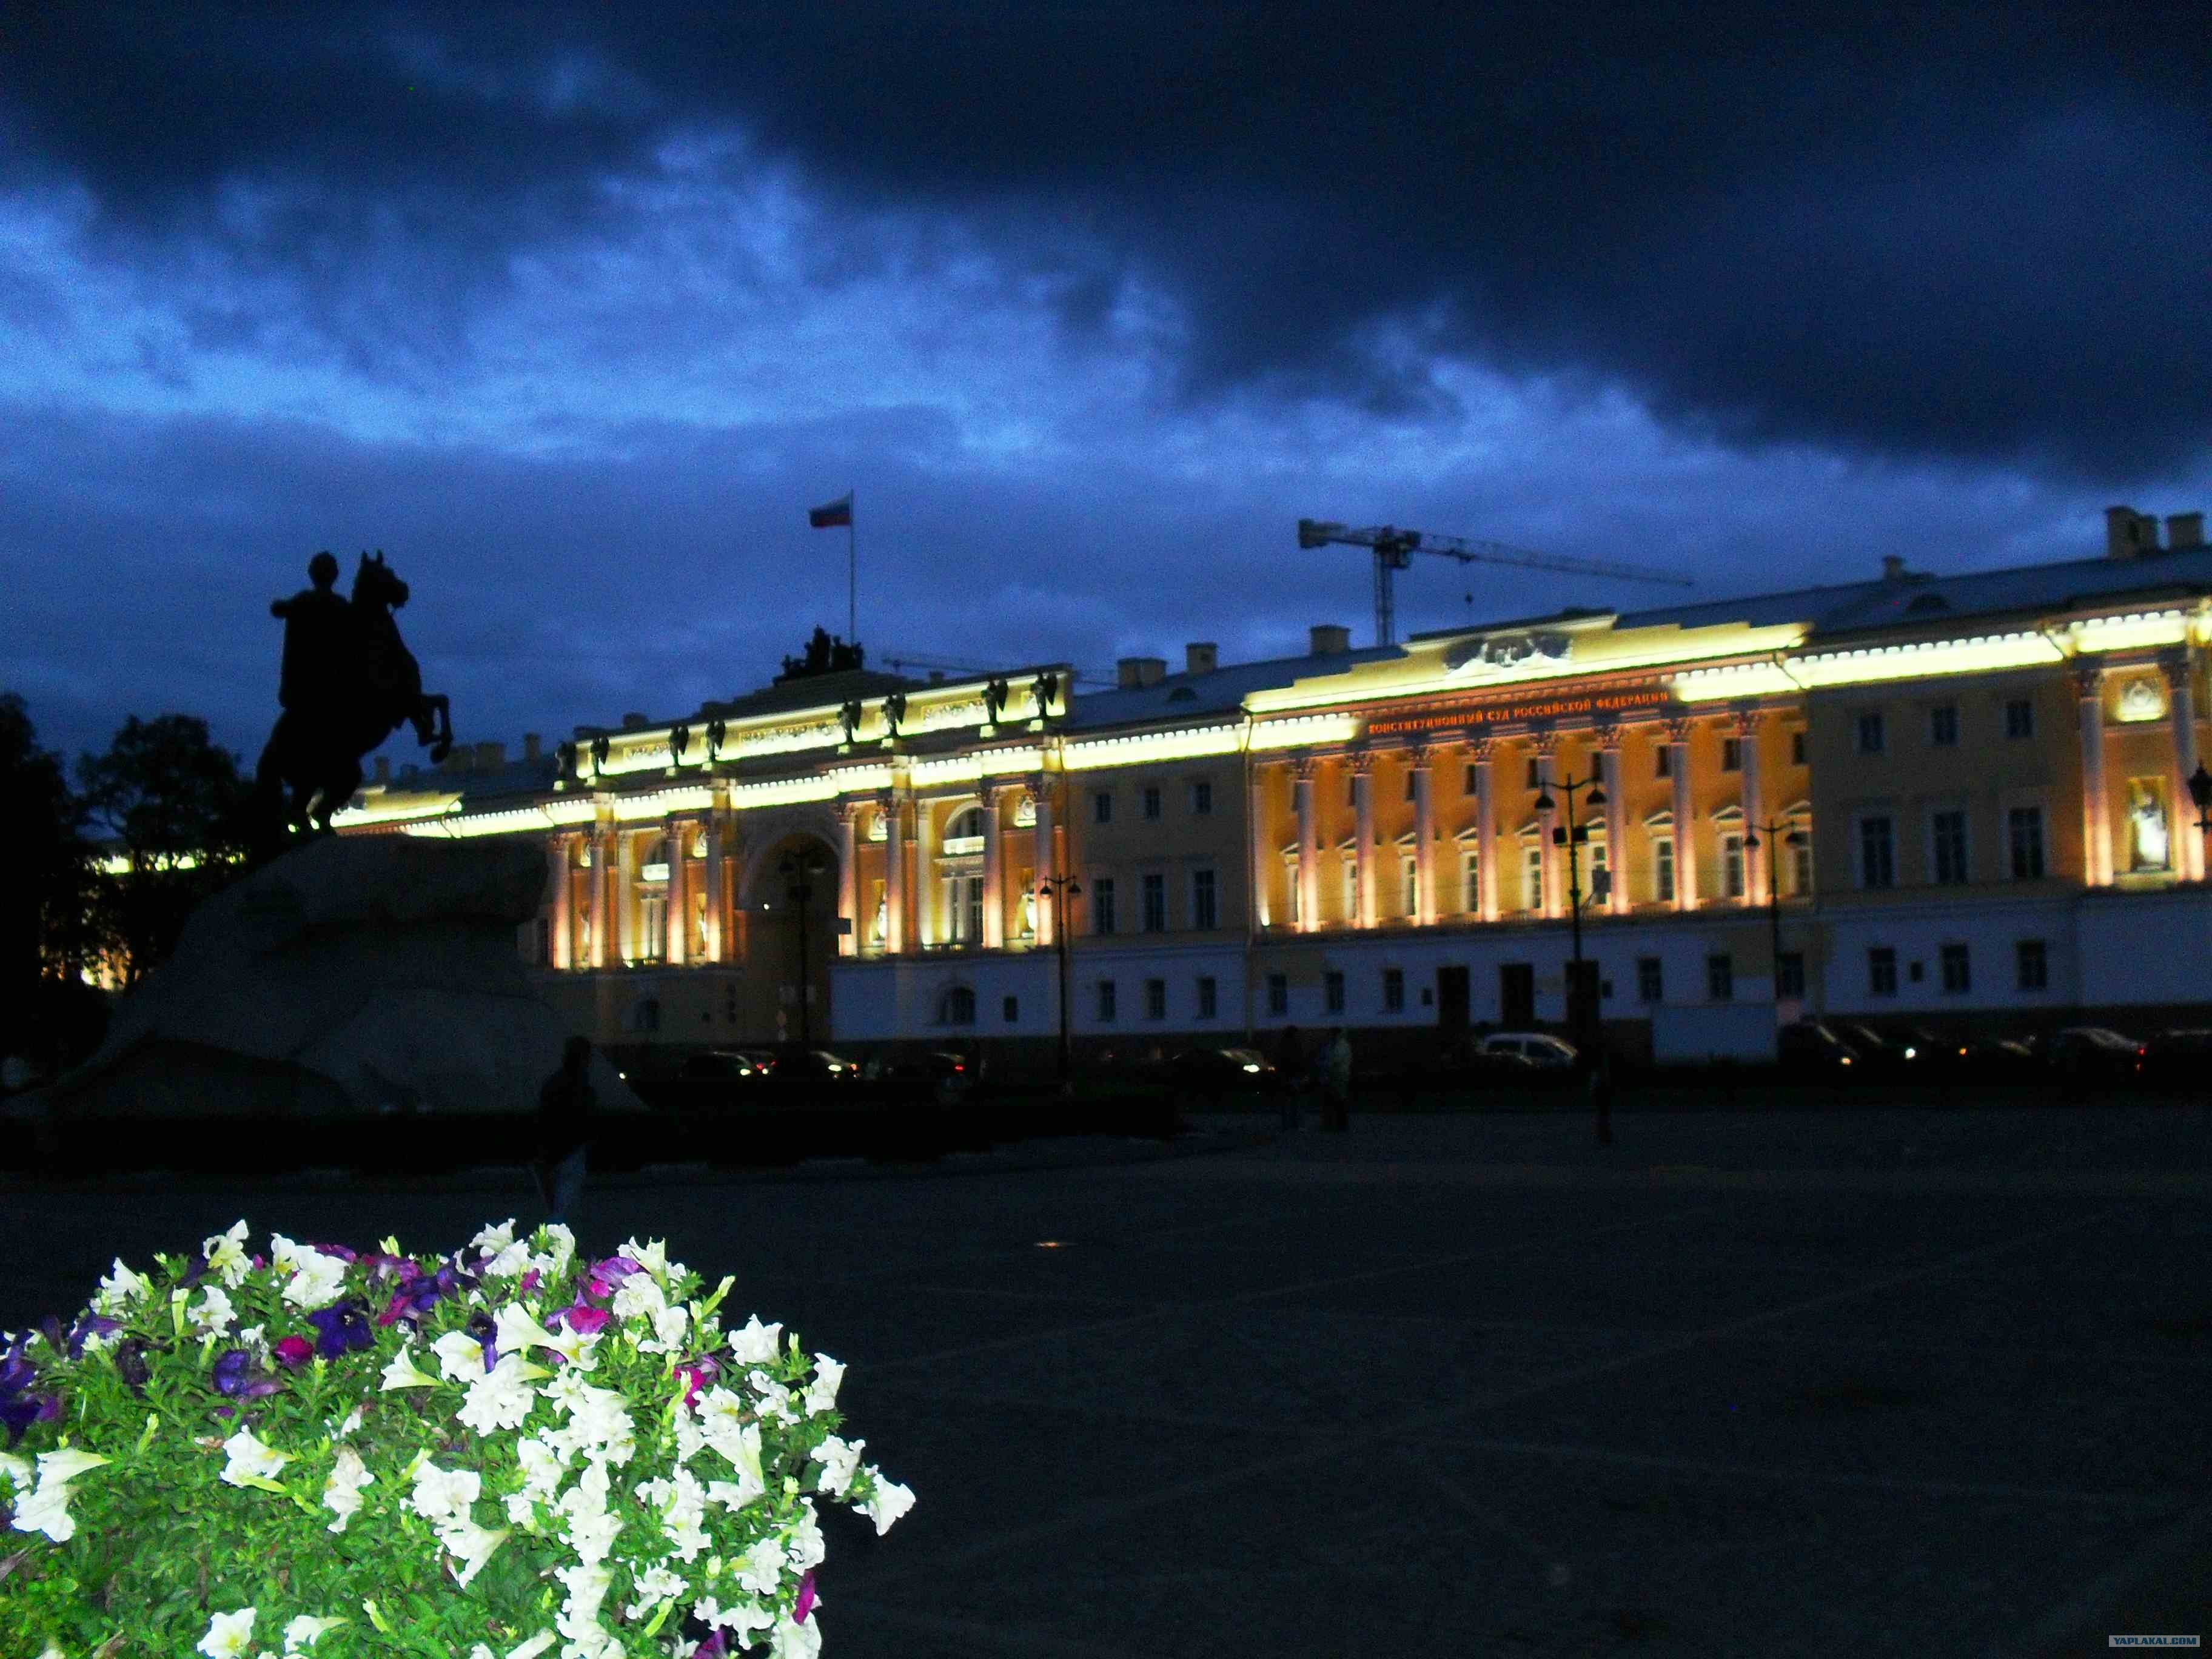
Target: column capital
<point>886,799</point>
<point>1481,745</point>
<point>1545,740</point>
<point>1419,753</point>
<point>847,808</point>
<point>1678,727</point>
<point>2175,663</point>
<point>1033,785</point>
<point>2088,680</point>
<point>1303,767</point>
<point>1361,759</point>
<point>1747,720</point>
<point>1608,736</point>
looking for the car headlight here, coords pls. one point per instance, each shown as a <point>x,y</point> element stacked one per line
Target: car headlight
<point>1912,1054</point>
<point>1251,1067</point>
<point>1847,1060</point>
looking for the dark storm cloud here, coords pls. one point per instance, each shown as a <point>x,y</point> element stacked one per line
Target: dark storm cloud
<point>1980,238</point>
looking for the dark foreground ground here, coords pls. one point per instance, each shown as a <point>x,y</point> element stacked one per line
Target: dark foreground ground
<point>1757,1382</point>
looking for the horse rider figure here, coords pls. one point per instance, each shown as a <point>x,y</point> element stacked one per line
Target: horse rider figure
<point>317,639</point>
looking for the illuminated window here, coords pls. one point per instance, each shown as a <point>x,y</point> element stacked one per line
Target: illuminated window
<point>1351,890</point>
<point>1409,884</point>
<point>1470,866</point>
<point>1663,869</point>
<point>1732,866</point>
<point>1532,878</point>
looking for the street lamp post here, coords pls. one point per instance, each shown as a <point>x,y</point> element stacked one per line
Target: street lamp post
<point>1581,1006</point>
<point>798,887</point>
<point>2200,791</point>
<point>1057,890</point>
<point>1778,834</point>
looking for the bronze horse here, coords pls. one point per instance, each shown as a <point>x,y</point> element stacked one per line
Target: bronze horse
<point>312,764</point>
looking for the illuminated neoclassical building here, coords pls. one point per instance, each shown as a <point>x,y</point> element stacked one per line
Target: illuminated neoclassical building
<point>1942,795</point>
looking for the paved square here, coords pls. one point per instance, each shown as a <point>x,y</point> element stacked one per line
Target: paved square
<point>1748,1383</point>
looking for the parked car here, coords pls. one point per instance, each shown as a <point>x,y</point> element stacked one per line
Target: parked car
<point>732,1064</point>
<point>1884,1055</point>
<point>939,1068</point>
<point>1984,1060</point>
<point>795,1063</point>
<point>2179,1058</point>
<point>1222,1071</point>
<point>2094,1053</point>
<point>1544,1052</point>
<point>1808,1046</point>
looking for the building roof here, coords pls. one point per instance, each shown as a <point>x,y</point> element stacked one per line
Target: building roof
<point>1220,692</point>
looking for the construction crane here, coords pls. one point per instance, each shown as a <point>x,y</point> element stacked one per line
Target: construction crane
<point>1395,547</point>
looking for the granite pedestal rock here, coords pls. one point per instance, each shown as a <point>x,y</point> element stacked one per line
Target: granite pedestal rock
<point>358,975</point>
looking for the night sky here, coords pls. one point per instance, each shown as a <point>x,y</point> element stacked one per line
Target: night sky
<point>575,315</point>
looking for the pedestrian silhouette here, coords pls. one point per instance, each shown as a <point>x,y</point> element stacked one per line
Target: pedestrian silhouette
<point>1335,1063</point>
<point>1290,1074</point>
<point>564,1126</point>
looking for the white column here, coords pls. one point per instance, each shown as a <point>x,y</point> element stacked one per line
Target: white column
<point>1362,839</point>
<point>624,878</point>
<point>1686,827</point>
<point>595,897</point>
<point>849,877</point>
<point>1758,866</point>
<point>1482,754</point>
<point>2096,843</point>
<point>1616,819</point>
<point>894,874</point>
<point>1049,900</point>
<point>1555,881</point>
<point>2189,857</point>
<point>1302,790</point>
<point>1425,842</point>
<point>1264,860</point>
<point>557,871</point>
<point>923,889</point>
<point>676,915</point>
<point>994,888</point>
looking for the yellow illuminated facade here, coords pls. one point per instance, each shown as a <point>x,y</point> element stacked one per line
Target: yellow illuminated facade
<point>1917,796</point>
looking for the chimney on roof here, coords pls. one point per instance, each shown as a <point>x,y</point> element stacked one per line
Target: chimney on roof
<point>2184,530</point>
<point>491,757</point>
<point>1134,673</point>
<point>2129,534</point>
<point>384,768</point>
<point>1201,658</point>
<point>632,722</point>
<point>532,745</point>
<point>1329,640</point>
<point>1893,567</point>
<point>937,676</point>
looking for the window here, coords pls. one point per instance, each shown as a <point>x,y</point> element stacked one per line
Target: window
<point>1208,999</point>
<point>1394,990</point>
<point>1881,971</point>
<point>2025,823</point>
<point>1948,834</point>
<point>956,1007</point>
<point>1279,995</point>
<point>1958,969</point>
<point>1877,858</point>
<point>1351,890</point>
<point>1731,754</point>
<point>1536,771</point>
<point>1204,911</point>
<point>1471,784</point>
<point>1156,999</point>
<point>1298,891</point>
<point>2019,717</point>
<point>1651,980</point>
<point>1102,806</point>
<point>2032,958</point>
<point>1152,800</point>
<point>1797,748</point>
<point>1790,973</point>
<point>1720,977</point>
<point>1101,905</point>
<point>1202,798</point>
<point>1600,871</point>
<point>1010,1010</point>
<point>1409,885</point>
<point>1470,870</point>
<point>1732,866</point>
<point>1943,726</point>
<point>1663,869</point>
<point>1351,787</point>
<point>646,1016</point>
<point>1801,863</point>
<point>1532,876</point>
<point>1333,991</point>
<point>1870,733</point>
<point>1155,903</point>
<point>1664,757</point>
<point>964,908</point>
<point>1105,1002</point>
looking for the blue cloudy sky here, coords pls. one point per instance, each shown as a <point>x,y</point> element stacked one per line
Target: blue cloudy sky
<point>574,309</point>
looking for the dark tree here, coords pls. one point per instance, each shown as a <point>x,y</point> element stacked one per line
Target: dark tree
<point>47,935</point>
<point>184,817</point>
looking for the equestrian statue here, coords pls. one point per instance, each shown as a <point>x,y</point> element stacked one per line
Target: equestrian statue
<point>348,683</point>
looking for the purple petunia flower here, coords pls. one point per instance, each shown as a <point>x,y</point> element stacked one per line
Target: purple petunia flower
<point>294,1351</point>
<point>340,1251</point>
<point>698,1372</point>
<point>235,1376</point>
<point>19,1407</point>
<point>583,1319</point>
<point>480,1327</point>
<point>804,1604</point>
<point>130,1361</point>
<point>340,1327</point>
<point>90,1325</point>
<point>714,1647</point>
<point>529,1282</point>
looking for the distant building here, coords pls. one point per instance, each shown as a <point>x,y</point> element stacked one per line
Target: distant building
<point>1967,795</point>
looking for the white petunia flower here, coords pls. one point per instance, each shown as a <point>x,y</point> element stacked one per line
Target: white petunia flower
<point>440,1494</point>
<point>563,1250</point>
<point>760,1568</point>
<point>743,1617</point>
<point>305,1631</point>
<point>887,1503</point>
<point>805,1548</point>
<point>638,1297</point>
<point>652,1257</point>
<point>47,1510</point>
<point>774,1399</point>
<point>341,1490</point>
<point>17,1471</point>
<point>653,1586</point>
<point>119,1290</point>
<point>317,1281</point>
<point>515,1328</point>
<point>214,1315</point>
<point>502,1397</point>
<point>669,1325</point>
<point>579,1618</point>
<point>469,1544</point>
<point>579,1349</point>
<point>756,1344</point>
<point>840,1461</point>
<point>403,1373</point>
<point>460,1357</point>
<point>542,1466</point>
<point>790,1641</point>
<point>529,1650</point>
<point>250,1460</point>
<point>229,1634</point>
<point>494,1238</point>
<point>59,1467</point>
<point>513,1262</point>
<point>821,1392</point>
<point>226,1257</point>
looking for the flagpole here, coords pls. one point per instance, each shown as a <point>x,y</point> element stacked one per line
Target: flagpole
<point>852,571</point>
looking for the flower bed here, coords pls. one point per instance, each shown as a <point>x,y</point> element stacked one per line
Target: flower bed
<point>496,1454</point>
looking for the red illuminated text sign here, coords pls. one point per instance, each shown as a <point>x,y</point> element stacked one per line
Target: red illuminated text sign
<point>1638,700</point>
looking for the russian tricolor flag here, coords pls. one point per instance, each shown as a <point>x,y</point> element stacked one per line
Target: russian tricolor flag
<point>839,512</point>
